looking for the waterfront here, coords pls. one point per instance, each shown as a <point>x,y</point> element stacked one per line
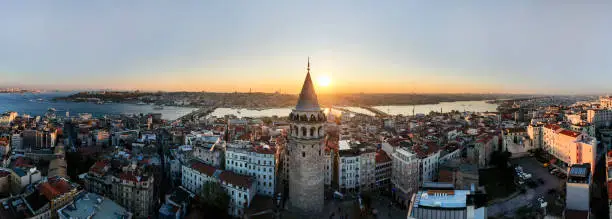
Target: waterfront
<point>38,104</point>
<point>473,106</point>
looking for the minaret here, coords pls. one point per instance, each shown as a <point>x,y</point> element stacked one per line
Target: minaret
<point>305,150</point>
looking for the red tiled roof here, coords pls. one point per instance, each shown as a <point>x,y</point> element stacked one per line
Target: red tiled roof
<point>236,179</point>
<point>423,151</point>
<point>552,126</point>
<point>128,176</point>
<point>54,187</point>
<point>382,157</point>
<point>22,162</point>
<point>48,191</point>
<point>99,166</point>
<point>203,168</point>
<point>264,150</point>
<point>610,190</point>
<point>4,173</point>
<point>569,133</point>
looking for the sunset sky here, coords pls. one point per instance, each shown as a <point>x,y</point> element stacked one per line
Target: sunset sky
<point>364,46</point>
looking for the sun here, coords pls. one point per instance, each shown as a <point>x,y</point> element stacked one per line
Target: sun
<point>324,80</point>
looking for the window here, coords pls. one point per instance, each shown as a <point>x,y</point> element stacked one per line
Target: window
<point>303,154</point>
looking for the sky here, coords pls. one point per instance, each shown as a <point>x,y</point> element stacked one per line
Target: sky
<point>363,46</point>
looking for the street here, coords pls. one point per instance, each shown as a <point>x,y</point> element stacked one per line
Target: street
<point>530,165</point>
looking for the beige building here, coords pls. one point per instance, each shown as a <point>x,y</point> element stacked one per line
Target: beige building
<point>569,146</point>
<point>134,192</point>
<point>129,185</point>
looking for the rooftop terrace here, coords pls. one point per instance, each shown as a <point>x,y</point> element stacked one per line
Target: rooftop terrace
<point>90,205</point>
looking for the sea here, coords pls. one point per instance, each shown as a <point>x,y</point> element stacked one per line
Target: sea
<point>37,104</point>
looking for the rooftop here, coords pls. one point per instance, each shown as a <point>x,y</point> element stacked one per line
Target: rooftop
<point>203,168</point>
<point>236,179</point>
<point>264,149</point>
<point>575,214</point>
<point>382,157</point>
<point>579,173</point>
<point>569,133</point>
<point>54,187</point>
<point>441,198</point>
<point>91,205</point>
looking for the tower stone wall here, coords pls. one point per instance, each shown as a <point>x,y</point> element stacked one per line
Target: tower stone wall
<point>305,151</point>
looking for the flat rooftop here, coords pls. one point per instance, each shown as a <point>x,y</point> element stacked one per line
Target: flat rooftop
<point>93,206</point>
<point>441,198</point>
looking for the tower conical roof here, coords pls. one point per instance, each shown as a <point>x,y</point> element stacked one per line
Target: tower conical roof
<point>308,97</point>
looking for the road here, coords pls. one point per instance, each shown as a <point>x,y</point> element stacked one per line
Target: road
<point>530,165</point>
<point>381,204</point>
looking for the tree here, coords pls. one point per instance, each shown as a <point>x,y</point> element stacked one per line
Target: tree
<point>215,201</point>
<point>500,159</point>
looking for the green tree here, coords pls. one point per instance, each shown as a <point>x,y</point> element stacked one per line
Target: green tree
<point>215,201</point>
<point>500,159</point>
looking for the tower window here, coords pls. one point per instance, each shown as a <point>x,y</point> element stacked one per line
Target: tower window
<point>304,131</point>
<point>312,130</point>
<point>303,154</point>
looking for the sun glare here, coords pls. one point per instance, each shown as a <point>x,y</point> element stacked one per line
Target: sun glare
<point>324,80</point>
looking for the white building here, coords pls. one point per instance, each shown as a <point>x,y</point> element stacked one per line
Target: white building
<point>256,161</point>
<point>436,203</point>
<point>405,174</point>
<point>599,117</point>
<point>26,177</point>
<point>578,192</point>
<point>356,167</point>
<point>207,147</point>
<point>573,119</point>
<point>16,141</point>
<point>329,166</point>
<point>239,188</point>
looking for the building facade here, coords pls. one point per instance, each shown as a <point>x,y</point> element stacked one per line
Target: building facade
<point>256,161</point>
<point>383,170</point>
<point>569,146</point>
<point>240,188</point>
<point>405,174</point>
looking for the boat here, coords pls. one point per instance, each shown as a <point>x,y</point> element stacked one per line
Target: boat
<point>141,103</point>
<point>158,107</point>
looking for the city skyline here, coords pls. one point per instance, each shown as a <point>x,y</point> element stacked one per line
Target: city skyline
<point>396,47</point>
